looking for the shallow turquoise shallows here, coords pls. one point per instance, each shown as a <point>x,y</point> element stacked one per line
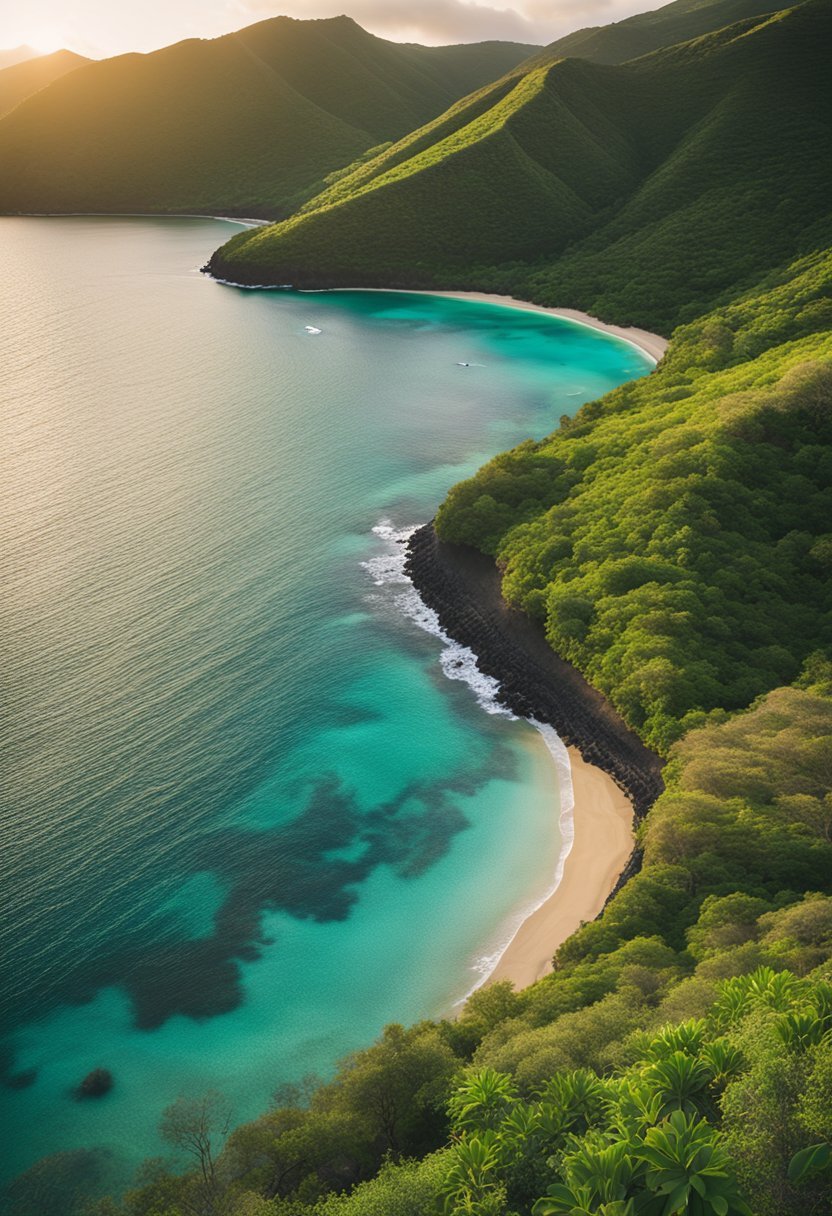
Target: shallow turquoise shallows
<point>248,820</point>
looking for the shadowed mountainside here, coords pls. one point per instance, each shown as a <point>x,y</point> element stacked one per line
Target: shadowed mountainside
<point>240,124</point>
<point>23,79</point>
<point>638,192</point>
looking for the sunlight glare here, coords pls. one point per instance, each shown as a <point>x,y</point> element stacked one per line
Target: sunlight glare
<point>45,39</point>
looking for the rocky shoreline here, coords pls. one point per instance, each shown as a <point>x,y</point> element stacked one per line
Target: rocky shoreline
<point>463,587</point>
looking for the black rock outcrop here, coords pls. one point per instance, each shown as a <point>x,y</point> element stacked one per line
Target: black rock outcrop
<point>463,588</point>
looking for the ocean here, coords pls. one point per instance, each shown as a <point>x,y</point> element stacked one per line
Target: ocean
<point>247,817</point>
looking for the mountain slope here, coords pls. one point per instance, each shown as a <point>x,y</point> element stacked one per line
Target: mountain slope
<point>640,191</point>
<point>242,123</point>
<point>645,32</point>
<point>17,54</point>
<point>23,79</point>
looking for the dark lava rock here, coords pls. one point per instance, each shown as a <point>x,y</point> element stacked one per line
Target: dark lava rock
<point>463,588</point>
<point>96,1083</point>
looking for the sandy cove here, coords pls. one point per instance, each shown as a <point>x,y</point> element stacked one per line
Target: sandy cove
<point>615,778</point>
<point>602,844</point>
<point>650,344</point>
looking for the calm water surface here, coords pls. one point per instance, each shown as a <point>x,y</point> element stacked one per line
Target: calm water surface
<point>246,819</point>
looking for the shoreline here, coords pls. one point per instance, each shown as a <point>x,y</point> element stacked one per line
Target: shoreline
<point>247,222</point>
<point>590,865</point>
<point>614,778</point>
<point>650,344</point>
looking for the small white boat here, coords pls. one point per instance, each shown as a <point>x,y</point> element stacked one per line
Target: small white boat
<point>463,364</point>
<point>312,329</point>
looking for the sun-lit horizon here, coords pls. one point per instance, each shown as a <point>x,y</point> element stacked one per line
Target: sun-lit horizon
<point>92,28</point>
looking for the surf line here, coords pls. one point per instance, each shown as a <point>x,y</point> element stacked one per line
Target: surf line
<point>459,662</point>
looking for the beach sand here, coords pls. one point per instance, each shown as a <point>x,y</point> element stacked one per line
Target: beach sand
<point>603,842</point>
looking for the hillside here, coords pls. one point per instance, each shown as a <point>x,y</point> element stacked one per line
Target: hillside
<point>23,79</point>
<point>639,192</point>
<point>645,32</point>
<point>17,54</point>
<point>673,539</point>
<point>239,124</point>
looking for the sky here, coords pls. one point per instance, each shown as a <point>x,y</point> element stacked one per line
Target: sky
<point>110,27</point>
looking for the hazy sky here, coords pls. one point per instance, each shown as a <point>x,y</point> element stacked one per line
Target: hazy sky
<point>109,27</point>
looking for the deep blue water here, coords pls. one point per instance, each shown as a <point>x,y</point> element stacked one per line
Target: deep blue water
<point>247,820</point>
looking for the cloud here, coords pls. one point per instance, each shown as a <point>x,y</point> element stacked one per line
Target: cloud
<point>445,21</point>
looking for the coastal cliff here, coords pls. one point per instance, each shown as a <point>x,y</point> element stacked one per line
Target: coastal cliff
<point>463,588</point>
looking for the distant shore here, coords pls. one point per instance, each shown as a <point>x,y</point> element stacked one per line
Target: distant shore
<point>652,345</point>
<point>615,778</point>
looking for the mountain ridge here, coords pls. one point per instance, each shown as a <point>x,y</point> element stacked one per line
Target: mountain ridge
<point>577,181</point>
<point>191,128</point>
<point>23,79</point>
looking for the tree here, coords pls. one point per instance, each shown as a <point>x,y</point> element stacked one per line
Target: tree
<point>194,1125</point>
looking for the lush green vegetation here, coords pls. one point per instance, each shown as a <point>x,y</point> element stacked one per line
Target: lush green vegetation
<point>244,124</point>
<point>680,1050</point>
<point>21,80</point>
<point>645,32</point>
<point>674,538</point>
<point>641,193</point>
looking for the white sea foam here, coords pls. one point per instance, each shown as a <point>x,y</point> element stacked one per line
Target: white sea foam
<point>457,662</point>
<point>460,663</point>
<point>249,286</point>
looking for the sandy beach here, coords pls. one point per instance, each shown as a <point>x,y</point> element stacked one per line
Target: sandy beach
<point>651,344</point>
<point>603,825</point>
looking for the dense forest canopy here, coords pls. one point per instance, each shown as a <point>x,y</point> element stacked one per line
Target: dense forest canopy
<point>674,538</point>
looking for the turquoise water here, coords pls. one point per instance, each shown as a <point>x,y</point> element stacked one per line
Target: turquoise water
<point>247,819</point>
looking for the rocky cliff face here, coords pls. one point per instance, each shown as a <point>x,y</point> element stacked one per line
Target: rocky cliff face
<point>463,588</point>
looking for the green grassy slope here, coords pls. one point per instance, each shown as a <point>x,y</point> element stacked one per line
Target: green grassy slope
<point>640,191</point>
<point>242,123</point>
<point>677,556</point>
<point>665,26</point>
<point>23,79</point>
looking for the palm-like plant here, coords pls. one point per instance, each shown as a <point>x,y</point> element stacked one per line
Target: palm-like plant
<point>723,1060</point>
<point>481,1100</point>
<point>680,1081</point>
<point>632,1107</point>
<point>777,990</point>
<point>688,1171</point>
<point>597,1174</point>
<point>688,1037</point>
<point>472,1178</point>
<point>800,1029</point>
<point>578,1096</point>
